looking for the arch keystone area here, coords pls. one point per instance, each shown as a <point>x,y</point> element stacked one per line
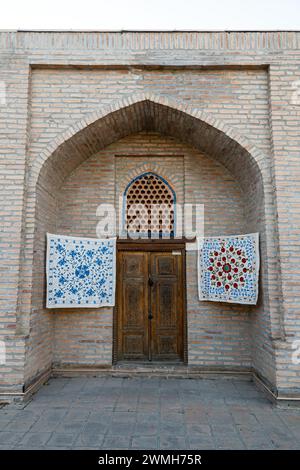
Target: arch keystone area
<point>139,103</point>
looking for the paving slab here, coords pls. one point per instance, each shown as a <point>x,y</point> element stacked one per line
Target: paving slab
<point>148,413</point>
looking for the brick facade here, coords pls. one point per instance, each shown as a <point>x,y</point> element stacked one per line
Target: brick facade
<point>214,113</point>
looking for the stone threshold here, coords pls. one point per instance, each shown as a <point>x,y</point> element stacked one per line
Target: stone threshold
<point>167,371</point>
<point>153,369</point>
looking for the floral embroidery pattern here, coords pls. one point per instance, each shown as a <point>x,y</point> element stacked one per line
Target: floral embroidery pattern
<point>228,269</point>
<point>80,272</point>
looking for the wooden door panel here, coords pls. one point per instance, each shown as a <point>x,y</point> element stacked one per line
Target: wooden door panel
<point>165,265</point>
<point>165,299</point>
<point>132,306</point>
<point>167,346</point>
<point>167,306</point>
<point>134,264</point>
<point>134,303</point>
<point>138,338</point>
<point>164,324</point>
<point>133,346</point>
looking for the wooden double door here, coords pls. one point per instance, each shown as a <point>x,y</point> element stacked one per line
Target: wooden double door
<point>150,303</point>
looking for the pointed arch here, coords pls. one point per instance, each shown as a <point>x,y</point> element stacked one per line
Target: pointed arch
<point>141,112</point>
<point>170,117</point>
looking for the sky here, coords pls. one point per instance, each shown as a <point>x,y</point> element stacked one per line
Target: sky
<point>151,14</point>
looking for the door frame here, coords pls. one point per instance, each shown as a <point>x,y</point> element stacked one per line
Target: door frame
<point>161,245</point>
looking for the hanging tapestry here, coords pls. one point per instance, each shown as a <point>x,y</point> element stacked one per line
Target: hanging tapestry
<point>80,271</point>
<point>228,268</point>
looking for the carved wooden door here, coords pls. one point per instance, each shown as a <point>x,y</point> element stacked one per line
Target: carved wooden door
<point>150,306</point>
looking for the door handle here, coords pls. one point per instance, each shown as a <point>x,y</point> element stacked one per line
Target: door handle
<point>150,316</point>
<point>150,281</point>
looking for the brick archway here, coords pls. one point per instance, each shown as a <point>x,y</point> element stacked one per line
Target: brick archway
<point>172,118</point>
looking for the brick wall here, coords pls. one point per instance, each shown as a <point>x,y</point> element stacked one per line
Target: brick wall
<point>13,134</point>
<point>228,95</point>
<point>285,125</point>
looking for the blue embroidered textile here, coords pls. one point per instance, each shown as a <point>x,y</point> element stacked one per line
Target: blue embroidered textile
<point>81,272</point>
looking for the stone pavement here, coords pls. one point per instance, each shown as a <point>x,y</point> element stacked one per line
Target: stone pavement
<point>148,413</point>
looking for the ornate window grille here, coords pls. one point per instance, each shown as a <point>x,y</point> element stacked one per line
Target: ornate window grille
<point>149,207</point>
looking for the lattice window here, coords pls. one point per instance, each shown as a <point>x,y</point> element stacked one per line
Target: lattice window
<point>149,206</point>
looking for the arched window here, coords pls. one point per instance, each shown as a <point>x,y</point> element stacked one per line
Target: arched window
<point>149,206</point>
